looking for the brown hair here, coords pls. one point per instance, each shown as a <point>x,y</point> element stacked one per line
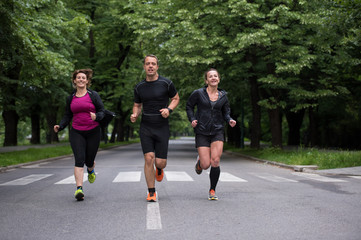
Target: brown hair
<point>150,55</point>
<point>87,72</point>
<point>211,69</point>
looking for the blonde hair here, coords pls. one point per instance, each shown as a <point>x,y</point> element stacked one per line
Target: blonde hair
<point>88,73</point>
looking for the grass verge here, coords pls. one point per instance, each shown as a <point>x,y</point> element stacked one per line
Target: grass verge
<point>34,154</point>
<point>324,159</point>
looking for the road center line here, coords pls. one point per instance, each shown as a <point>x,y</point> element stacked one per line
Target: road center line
<point>154,221</point>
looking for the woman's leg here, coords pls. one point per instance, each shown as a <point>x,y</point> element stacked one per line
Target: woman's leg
<point>78,145</point>
<point>204,154</point>
<point>79,175</point>
<point>216,152</point>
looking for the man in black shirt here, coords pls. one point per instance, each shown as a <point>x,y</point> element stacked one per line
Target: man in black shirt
<point>153,94</point>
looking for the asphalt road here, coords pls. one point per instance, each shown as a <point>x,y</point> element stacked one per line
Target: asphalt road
<point>256,201</point>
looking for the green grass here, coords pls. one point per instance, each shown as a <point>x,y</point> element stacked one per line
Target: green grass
<point>34,154</point>
<point>322,158</point>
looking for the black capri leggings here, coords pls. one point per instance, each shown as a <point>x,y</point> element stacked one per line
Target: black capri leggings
<point>85,146</point>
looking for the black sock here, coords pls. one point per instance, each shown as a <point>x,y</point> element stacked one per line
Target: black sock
<point>151,190</point>
<point>80,187</point>
<point>214,176</point>
<point>90,172</point>
<point>159,171</point>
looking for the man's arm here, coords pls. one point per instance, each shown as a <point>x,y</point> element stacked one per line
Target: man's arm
<point>173,104</point>
<point>137,109</point>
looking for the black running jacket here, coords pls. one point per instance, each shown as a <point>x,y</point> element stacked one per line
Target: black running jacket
<point>210,119</point>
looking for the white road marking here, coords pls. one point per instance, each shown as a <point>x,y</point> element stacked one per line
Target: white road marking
<point>272,178</point>
<point>318,177</point>
<point>154,221</point>
<point>178,176</point>
<point>357,177</point>
<point>26,180</point>
<point>128,177</point>
<point>71,179</point>
<point>227,177</point>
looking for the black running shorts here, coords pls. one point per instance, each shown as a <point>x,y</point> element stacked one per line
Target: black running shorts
<point>155,139</point>
<point>206,140</point>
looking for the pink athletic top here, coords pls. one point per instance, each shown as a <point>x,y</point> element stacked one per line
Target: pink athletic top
<point>81,108</point>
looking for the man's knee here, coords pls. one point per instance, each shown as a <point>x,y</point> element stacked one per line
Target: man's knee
<point>160,163</point>
<point>149,158</point>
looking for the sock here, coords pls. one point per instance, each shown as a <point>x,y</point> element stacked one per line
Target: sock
<point>90,172</point>
<point>159,171</point>
<point>214,177</point>
<point>80,187</point>
<point>151,190</point>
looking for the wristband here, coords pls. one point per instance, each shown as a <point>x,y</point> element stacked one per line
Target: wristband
<point>170,110</point>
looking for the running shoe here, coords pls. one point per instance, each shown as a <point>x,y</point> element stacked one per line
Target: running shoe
<point>91,177</point>
<point>198,166</point>
<point>159,174</point>
<point>152,197</point>
<point>212,195</point>
<point>79,194</point>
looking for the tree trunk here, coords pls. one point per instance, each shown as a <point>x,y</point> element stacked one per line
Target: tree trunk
<point>114,132</point>
<point>11,119</point>
<point>234,134</point>
<point>255,129</point>
<point>276,127</point>
<point>294,120</point>
<point>9,113</point>
<point>51,121</point>
<point>35,128</point>
<point>313,133</point>
<point>120,129</point>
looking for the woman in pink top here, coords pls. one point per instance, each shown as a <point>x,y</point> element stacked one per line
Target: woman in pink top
<point>85,108</point>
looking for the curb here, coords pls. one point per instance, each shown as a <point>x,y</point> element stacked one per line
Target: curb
<point>296,168</point>
<point>4,169</point>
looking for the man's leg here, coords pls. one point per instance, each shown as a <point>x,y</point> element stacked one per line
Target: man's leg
<point>149,171</point>
<point>160,164</point>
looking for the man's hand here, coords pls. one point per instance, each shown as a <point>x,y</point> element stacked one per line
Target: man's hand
<point>133,118</point>
<point>164,112</point>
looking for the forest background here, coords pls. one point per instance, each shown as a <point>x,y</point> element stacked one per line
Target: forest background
<point>291,68</point>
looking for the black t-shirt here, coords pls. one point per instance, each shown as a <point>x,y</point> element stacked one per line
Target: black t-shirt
<point>154,96</point>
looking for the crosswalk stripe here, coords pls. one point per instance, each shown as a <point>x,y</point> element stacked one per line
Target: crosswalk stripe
<point>178,176</point>
<point>357,177</point>
<point>26,180</point>
<point>318,177</point>
<point>272,178</point>
<point>71,179</point>
<point>227,177</point>
<point>128,177</point>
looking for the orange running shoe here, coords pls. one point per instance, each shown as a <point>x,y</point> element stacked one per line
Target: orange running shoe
<point>212,195</point>
<point>159,174</point>
<point>152,197</point>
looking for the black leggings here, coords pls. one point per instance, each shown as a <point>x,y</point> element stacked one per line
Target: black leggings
<point>85,146</point>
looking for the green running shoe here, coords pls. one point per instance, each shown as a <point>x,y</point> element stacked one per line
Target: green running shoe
<point>79,194</point>
<point>91,177</point>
